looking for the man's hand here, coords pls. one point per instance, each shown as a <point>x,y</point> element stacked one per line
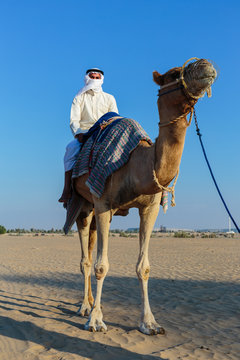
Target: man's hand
<point>79,137</point>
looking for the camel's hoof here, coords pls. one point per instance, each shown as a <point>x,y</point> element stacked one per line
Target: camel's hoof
<point>98,329</point>
<point>84,310</point>
<point>152,329</point>
<point>159,330</point>
<point>98,326</point>
<point>162,331</point>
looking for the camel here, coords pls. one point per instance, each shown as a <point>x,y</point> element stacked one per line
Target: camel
<point>139,183</point>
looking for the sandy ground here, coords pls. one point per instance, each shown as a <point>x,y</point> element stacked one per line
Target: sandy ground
<point>194,293</point>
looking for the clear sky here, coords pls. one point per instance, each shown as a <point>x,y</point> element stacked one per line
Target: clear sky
<point>46,47</point>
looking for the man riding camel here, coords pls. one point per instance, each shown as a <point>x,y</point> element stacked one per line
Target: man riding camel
<point>88,106</point>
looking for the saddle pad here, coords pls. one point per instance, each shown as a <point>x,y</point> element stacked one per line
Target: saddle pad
<point>108,152</point>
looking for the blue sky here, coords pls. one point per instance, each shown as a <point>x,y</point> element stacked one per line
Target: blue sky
<point>46,46</point>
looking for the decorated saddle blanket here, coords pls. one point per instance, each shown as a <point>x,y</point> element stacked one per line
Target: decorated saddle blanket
<point>107,147</point>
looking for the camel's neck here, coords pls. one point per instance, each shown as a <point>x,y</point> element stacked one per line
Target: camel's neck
<point>169,147</point>
<point>161,160</point>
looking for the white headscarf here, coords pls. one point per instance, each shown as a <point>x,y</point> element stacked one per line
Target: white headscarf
<point>92,84</point>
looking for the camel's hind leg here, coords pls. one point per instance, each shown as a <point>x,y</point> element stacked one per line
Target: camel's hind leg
<point>103,218</point>
<point>87,240</point>
<point>148,217</point>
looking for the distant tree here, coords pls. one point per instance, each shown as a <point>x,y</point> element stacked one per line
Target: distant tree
<point>2,229</point>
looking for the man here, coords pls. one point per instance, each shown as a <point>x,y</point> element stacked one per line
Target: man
<point>88,106</point>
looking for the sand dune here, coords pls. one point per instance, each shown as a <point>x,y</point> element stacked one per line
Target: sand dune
<point>194,293</point>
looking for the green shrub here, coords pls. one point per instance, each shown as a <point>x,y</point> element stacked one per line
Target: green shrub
<point>123,234</point>
<point>2,229</point>
<point>208,235</point>
<point>183,234</point>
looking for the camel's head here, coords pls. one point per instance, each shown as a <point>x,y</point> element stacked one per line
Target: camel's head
<point>194,79</point>
<point>199,77</point>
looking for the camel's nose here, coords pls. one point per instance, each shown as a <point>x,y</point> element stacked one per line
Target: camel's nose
<point>209,68</point>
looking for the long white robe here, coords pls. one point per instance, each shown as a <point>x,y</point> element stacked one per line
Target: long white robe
<point>86,109</point>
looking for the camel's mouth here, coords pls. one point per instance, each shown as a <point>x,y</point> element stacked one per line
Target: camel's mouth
<point>199,77</point>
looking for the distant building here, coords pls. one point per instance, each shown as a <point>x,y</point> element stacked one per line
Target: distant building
<point>163,229</point>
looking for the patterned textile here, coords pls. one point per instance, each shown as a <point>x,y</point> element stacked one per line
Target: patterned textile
<point>108,152</point>
<point>164,201</point>
<point>104,120</point>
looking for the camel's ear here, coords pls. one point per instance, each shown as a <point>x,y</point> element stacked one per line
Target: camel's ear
<point>158,78</point>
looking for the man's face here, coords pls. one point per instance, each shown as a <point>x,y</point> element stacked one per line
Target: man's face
<point>94,75</point>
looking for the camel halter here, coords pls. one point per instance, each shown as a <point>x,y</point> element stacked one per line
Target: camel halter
<point>182,86</point>
<point>182,82</point>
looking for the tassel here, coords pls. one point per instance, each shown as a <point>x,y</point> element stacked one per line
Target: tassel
<point>173,203</point>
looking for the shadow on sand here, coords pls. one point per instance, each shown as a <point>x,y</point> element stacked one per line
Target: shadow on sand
<point>193,303</point>
<point>58,341</point>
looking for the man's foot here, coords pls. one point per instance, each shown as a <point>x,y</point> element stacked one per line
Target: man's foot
<point>66,196</point>
<point>67,190</point>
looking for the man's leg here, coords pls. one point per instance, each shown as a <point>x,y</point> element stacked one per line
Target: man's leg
<point>67,190</point>
<point>71,154</point>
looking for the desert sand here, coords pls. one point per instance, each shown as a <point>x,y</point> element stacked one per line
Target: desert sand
<point>194,292</point>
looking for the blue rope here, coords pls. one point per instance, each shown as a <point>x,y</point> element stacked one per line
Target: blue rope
<point>205,155</point>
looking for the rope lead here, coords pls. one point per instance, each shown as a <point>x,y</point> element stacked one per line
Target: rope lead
<point>209,167</point>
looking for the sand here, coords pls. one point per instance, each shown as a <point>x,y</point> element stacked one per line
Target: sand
<point>194,293</point>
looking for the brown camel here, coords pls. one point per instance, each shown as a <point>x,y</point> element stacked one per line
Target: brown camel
<point>139,184</point>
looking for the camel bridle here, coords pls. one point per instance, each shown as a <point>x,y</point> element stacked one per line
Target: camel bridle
<point>190,96</point>
<point>183,86</point>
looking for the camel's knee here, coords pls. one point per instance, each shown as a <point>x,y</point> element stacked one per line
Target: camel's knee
<point>85,266</point>
<point>143,271</point>
<point>101,270</point>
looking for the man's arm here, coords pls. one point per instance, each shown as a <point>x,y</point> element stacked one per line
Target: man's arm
<point>75,116</point>
<point>113,105</point>
<point>75,119</point>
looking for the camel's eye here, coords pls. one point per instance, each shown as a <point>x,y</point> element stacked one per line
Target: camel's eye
<point>174,75</point>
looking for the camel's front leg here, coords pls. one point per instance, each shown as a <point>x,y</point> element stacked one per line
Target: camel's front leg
<point>91,244</point>
<point>148,217</point>
<point>95,321</point>
<point>83,225</point>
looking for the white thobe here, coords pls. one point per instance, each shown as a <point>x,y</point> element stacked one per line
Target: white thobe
<point>86,109</point>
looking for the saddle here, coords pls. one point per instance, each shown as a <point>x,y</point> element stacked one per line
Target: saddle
<point>106,148</point>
